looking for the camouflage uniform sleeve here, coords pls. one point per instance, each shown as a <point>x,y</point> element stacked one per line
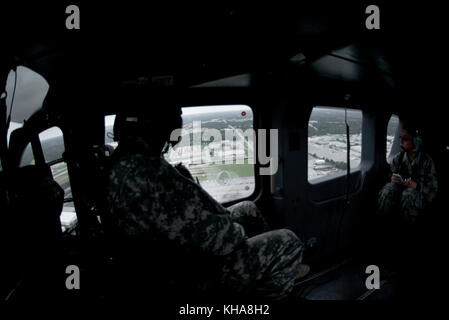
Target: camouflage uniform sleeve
<point>428,183</point>
<point>177,209</point>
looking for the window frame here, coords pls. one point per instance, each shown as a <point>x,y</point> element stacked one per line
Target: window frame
<point>52,163</point>
<point>395,145</point>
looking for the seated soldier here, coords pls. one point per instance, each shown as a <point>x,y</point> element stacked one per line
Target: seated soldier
<point>413,183</point>
<point>151,199</point>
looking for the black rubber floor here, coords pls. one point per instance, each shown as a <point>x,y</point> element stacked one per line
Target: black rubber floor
<point>346,281</point>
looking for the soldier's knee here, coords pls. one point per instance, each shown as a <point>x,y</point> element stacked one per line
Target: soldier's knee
<point>389,189</point>
<point>248,203</point>
<point>249,206</point>
<point>410,192</point>
<point>411,198</point>
<point>408,195</point>
<point>288,236</point>
<point>244,207</point>
<point>387,195</point>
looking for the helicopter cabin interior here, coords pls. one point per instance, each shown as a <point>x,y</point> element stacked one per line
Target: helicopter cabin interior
<point>329,95</point>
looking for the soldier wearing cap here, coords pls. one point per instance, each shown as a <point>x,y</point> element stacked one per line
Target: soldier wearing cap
<point>413,183</point>
<point>151,199</point>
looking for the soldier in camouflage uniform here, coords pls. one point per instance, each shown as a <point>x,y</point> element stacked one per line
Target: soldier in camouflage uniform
<point>419,186</point>
<point>148,196</point>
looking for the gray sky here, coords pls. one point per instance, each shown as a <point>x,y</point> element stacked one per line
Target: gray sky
<point>31,90</point>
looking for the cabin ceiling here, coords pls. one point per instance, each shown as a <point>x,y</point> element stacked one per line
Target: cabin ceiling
<point>200,44</point>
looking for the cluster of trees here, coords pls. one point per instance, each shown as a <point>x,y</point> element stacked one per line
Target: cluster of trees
<point>332,121</point>
<point>341,165</point>
<point>332,127</point>
<point>337,164</point>
<point>221,126</point>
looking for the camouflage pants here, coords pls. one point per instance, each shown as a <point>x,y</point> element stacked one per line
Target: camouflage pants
<point>267,264</point>
<point>395,199</point>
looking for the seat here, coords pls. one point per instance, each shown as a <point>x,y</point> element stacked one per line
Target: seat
<point>34,228</point>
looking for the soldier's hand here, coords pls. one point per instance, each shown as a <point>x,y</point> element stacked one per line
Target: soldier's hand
<point>409,183</point>
<point>395,180</point>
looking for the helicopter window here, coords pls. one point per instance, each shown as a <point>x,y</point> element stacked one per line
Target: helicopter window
<point>53,146</point>
<point>109,133</point>
<point>217,148</point>
<point>26,90</point>
<point>392,128</point>
<point>327,141</point>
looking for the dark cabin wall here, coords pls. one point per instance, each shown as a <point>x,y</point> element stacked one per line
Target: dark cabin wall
<point>320,210</point>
